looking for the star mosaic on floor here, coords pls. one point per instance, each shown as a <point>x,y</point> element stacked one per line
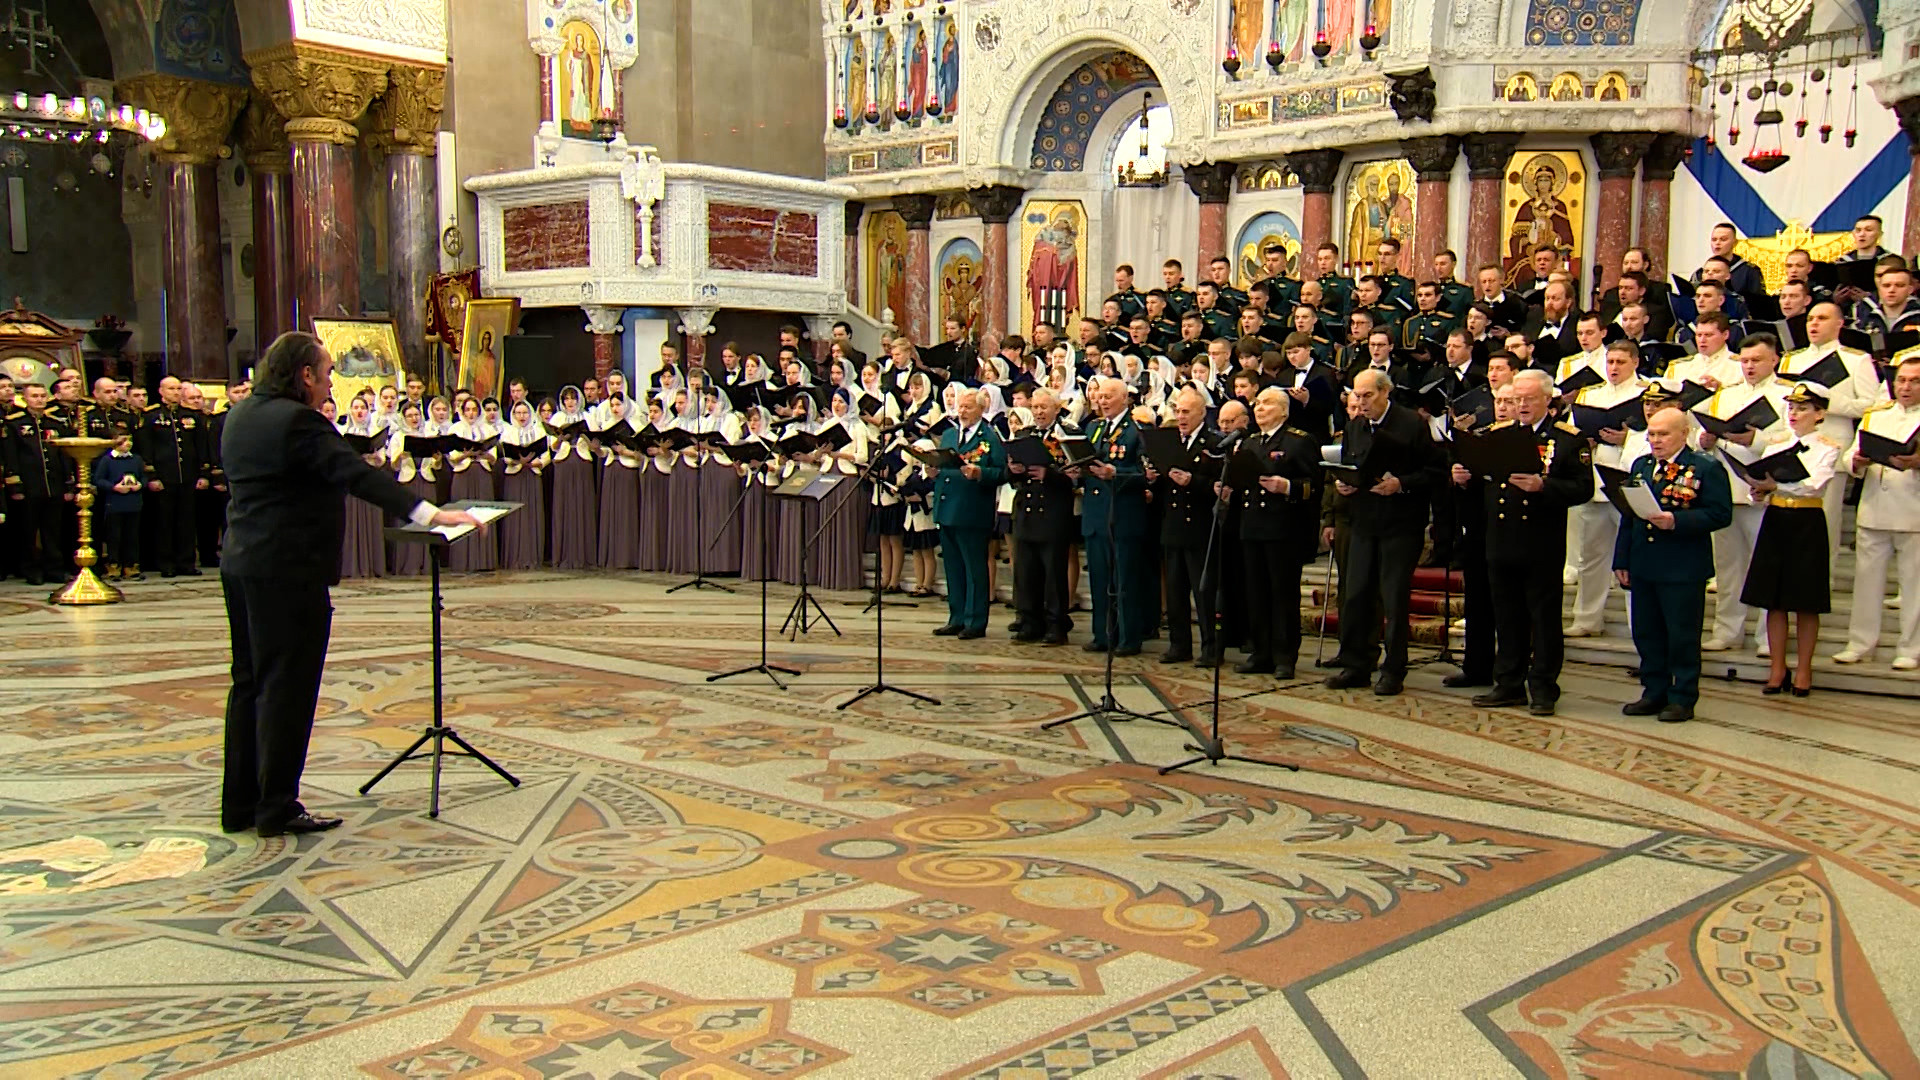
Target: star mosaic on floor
<point>734,880</point>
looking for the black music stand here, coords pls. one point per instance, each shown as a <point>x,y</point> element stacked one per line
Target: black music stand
<point>699,579</point>
<point>756,468</point>
<point>437,542</point>
<point>806,488</point>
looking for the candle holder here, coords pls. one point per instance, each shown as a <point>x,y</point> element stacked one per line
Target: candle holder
<point>1321,47</point>
<point>1370,40</point>
<point>86,589</point>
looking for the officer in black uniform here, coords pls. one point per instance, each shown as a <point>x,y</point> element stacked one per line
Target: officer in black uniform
<point>169,443</point>
<point>1044,529</point>
<point>1395,287</point>
<point>39,486</point>
<point>1165,323</point>
<point>1526,518</point>
<point>1186,525</point>
<point>1367,293</point>
<point>1279,526</point>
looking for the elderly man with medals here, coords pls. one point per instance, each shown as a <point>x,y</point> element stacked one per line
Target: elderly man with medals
<point>963,508</point>
<point>1113,520</point>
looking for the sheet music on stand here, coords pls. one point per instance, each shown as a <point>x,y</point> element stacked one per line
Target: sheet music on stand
<point>486,512</point>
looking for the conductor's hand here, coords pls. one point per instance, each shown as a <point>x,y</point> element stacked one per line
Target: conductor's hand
<point>458,517</point>
<point>971,472</point>
<point>1461,475</point>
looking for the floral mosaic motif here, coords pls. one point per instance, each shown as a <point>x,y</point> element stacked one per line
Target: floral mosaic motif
<point>748,742</point>
<point>639,1031</point>
<point>401,692</point>
<point>1170,861</point>
<point>922,779</point>
<point>530,612</point>
<point>624,710</point>
<point>89,718</point>
<point>936,955</point>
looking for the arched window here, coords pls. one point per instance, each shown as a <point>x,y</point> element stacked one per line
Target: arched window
<point>1140,151</point>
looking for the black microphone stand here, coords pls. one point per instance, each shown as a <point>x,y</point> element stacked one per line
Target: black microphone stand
<point>1107,708</point>
<point>699,579</point>
<point>806,610</point>
<point>756,479</point>
<point>1212,748</point>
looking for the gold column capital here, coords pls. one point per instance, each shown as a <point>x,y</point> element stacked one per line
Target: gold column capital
<point>199,114</point>
<point>320,91</point>
<point>263,136</point>
<point>406,119</point>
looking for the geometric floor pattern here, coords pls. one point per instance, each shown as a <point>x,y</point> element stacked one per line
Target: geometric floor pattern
<point>732,880</point>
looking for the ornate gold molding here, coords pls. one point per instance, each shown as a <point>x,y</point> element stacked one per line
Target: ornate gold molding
<point>263,136</point>
<point>406,119</point>
<point>320,91</point>
<point>199,114</point>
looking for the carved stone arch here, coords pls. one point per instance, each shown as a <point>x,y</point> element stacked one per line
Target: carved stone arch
<point>129,36</point>
<point>1012,84</point>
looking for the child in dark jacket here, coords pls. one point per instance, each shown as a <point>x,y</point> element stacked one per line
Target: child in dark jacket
<point>117,483</point>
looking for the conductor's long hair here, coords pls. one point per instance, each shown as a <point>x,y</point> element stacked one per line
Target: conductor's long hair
<point>278,373</point>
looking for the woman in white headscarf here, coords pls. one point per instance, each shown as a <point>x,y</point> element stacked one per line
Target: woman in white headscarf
<point>409,560</point>
<point>575,476</point>
<point>473,479</point>
<point>619,538</point>
<point>656,490</point>
<point>523,533</point>
<point>363,551</point>
<point>759,517</point>
<point>843,538</point>
<point>921,411</point>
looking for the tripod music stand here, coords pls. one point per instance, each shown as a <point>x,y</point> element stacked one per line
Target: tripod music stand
<point>806,488</point>
<point>699,579</point>
<point>437,542</point>
<point>756,469</point>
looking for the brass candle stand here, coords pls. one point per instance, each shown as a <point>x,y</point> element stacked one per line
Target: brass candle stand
<point>86,588</point>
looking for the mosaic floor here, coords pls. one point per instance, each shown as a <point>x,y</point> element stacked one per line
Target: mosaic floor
<point>733,881</point>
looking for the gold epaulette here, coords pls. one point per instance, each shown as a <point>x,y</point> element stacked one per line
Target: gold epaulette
<point>1853,352</point>
<point>1875,407</point>
<point>18,413</point>
<point>1300,432</point>
<point>1566,427</point>
<point>1497,425</point>
<point>151,407</point>
<point>1826,439</point>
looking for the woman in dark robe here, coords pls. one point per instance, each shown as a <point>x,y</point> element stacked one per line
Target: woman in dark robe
<point>843,537</point>
<point>409,560</point>
<point>619,546</point>
<point>759,515</point>
<point>575,475</point>
<point>363,553</point>
<point>656,487</point>
<point>523,533</point>
<point>720,487</point>
<point>473,479</point>
<point>798,518</point>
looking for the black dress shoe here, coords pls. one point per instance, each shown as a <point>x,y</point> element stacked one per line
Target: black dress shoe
<point>1773,688</point>
<point>1346,680</point>
<point>1797,691</point>
<point>1676,714</point>
<point>1127,650</point>
<point>970,633</point>
<point>1463,679</point>
<point>190,571</point>
<point>302,822</point>
<point>1207,660</point>
<point>1646,706</point>
<point>1094,646</point>
<point>1284,672</point>
<point>948,630</point>
<point>230,827</point>
<point>1056,639</point>
<point>1024,638</point>
<point>1499,699</point>
<point>1542,708</point>
<point>1177,656</point>
<point>1250,666</point>
<point>1388,685</point>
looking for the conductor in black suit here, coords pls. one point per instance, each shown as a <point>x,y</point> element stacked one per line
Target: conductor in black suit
<point>288,475</point>
<point>1401,467</point>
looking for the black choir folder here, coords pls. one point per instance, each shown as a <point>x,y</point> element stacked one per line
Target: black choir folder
<point>1759,415</point>
<point>1498,452</point>
<point>1593,419</point>
<point>1782,467</point>
<point>1879,448</point>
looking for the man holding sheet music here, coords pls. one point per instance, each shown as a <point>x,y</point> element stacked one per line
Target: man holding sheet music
<point>1742,421</point>
<point>289,473</point>
<point>1851,384</point>
<point>1885,455</point>
<point>963,508</point>
<point>1113,521</point>
<point>1180,468</point>
<point>1606,414</point>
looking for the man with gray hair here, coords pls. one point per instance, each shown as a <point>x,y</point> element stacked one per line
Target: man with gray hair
<point>1113,521</point>
<point>1187,538</point>
<point>1279,519</point>
<point>1043,533</point>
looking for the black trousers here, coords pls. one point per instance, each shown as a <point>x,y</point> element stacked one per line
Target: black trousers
<point>43,553</point>
<point>1526,609</point>
<point>279,630</point>
<point>1190,591</point>
<point>1040,585</point>
<point>120,538</point>
<point>1379,584</point>
<point>175,547</point>
<point>1482,624</point>
<point>210,520</point>
<point>1273,600</point>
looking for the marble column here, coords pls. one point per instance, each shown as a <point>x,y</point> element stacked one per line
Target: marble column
<point>696,324</point>
<point>917,210</point>
<point>1908,112</point>
<point>405,123</point>
<point>1316,170</point>
<point>854,210</point>
<point>263,136</point>
<point>1211,183</point>
<point>199,118</point>
<point>1488,153</point>
<point>604,324</point>
<point>1669,149</point>
<point>321,93</point>
<point>1432,157</point>
<point>997,205</point>
<point>1618,155</point>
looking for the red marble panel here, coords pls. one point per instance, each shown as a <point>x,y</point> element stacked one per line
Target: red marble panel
<point>762,240</point>
<point>549,237</point>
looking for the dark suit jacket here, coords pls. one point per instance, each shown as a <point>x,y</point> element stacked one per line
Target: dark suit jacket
<point>289,473</point>
<point>1403,447</point>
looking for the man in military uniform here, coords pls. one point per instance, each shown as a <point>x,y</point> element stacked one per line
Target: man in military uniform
<point>1043,533</point>
<point>1508,311</point>
<point>1282,291</point>
<point>1206,301</point>
<point>1113,521</point>
<point>1130,301</point>
<point>109,413</point>
<point>1112,328</point>
<point>1455,296</point>
<point>1526,537</point>
<point>1395,288</point>
<point>209,504</point>
<point>169,443</point>
<point>1338,289</point>
<point>1366,297</point>
<point>1186,529</point>
<point>1230,299</point>
<point>1279,533</point>
<point>39,486</point>
<point>1889,526</point>
<point>1179,298</point>
<point>1848,399</point>
<point>1255,323</point>
<point>1193,339</point>
<point>1664,563</point>
<point>1429,323</point>
<point>1165,324</point>
<point>963,509</point>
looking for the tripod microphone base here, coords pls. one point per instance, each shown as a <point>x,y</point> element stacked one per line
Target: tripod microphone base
<point>883,688</point>
<point>806,611</point>
<point>1108,708</point>
<point>1215,753</point>
<point>439,734</point>
<point>699,582</point>
<point>764,669</point>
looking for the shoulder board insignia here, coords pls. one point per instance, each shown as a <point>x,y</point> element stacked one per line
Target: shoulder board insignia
<point>1496,426</point>
<point>1569,428</point>
<point>1643,382</point>
<point>1875,407</point>
<point>1818,437</point>
<point>151,408</point>
<point>1853,352</point>
<point>18,413</point>
<point>1300,432</point>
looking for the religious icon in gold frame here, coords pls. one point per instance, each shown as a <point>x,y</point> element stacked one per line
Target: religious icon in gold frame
<point>366,356</point>
<point>489,324</point>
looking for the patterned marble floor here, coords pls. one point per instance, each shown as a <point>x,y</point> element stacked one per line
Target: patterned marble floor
<point>732,880</point>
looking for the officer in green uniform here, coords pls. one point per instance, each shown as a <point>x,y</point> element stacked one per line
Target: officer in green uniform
<point>1337,288</point>
<point>1130,301</point>
<point>1113,521</point>
<point>1396,287</point>
<point>1179,297</point>
<point>1455,297</point>
<point>1428,322</point>
<point>1230,299</point>
<point>1164,322</point>
<point>1366,297</point>
<point>964,501</point>
<point>1282,291</point>
<point>1664,563</point>
<point>1206,301</point>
